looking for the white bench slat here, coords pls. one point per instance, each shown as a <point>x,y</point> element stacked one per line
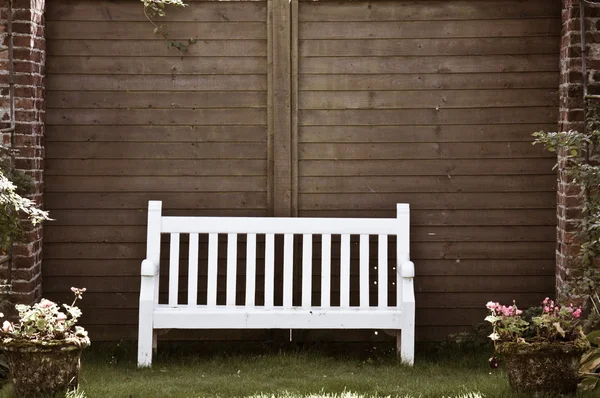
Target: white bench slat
<point>306,270</point>
<point>345,271</point>
<point>269,269</point>
<point>250,269</point>
<point>231,268</point>
<point>213,252</point>
<point>193,270</point>
<point>174,269</point>
<point>364,271</point>
<point>382,268</point>
<point>288,270</point>
<point>277,318</point>
<point>325,270</point>
<point>245,225</point>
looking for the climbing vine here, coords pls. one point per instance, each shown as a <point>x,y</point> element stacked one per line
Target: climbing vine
<point>156,9</point>
<point>580,160</point>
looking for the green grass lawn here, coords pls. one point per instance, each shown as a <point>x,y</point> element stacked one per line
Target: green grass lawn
<point>111,372</point>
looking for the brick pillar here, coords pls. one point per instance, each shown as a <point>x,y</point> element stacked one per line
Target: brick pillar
<point>29,64</point>
<point>571,118</point>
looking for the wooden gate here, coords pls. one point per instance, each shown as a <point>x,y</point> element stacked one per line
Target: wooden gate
<point>306,109</point>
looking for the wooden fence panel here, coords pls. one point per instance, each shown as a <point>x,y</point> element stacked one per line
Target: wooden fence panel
<point>130,120</point>
<point>307,108</point>
<point>433,103</point>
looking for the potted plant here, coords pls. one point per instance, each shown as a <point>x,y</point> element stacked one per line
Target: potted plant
<point>541,354</point>
<point>44,347</point>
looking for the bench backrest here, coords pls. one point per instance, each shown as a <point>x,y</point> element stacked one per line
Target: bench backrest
<point>288,227</point>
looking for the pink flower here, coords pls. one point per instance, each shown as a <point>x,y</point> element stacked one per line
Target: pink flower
<point>61,317</point>
<point>519,312</point>
<point>577,313</point>
<point>7,327</point>
<point>491,305</point>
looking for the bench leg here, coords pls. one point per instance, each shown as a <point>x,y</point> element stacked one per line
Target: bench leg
<point>154,342</point>
<point>405,346</point>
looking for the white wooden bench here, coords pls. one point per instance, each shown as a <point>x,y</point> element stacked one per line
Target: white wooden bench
<point>399,317</point>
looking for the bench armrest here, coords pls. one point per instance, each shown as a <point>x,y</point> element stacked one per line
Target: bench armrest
<point>149,268</point>
<point>408,270</point>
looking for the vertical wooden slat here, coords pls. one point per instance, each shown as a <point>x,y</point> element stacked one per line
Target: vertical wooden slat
<point>325,270</point>
<point>269,269</point>
<point>193,270</point>
<point>294,104</point>
<point>174,269</point>
<point>282,155</point>
<point>345,271</point>
<point>250,269</point>
<point>213,250</point>
<point>364,271</point>
<point>270,127</point>
<point>382,268</point>
<point>231,269</point>
<point>288,269</point>
<point>306,270</point>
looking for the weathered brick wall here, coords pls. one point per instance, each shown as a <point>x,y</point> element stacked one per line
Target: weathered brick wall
<point>571,118</point>
<point>29,64</point>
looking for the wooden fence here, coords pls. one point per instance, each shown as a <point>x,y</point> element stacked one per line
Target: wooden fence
<point>306,109</point>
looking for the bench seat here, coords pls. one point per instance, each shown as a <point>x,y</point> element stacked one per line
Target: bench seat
<point>203,317</point>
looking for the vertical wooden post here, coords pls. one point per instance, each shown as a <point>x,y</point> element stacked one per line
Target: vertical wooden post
<point>280,43</point>
<point>294,103</point>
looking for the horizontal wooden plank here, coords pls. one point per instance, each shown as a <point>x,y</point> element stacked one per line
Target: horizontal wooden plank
<point>112,333</point>
<point>429,317</point>
<point>436,10</point>
<point>425,268</point>
<point>155,167</point>
<point>422,64</point>
<point>156,134</point>
<point>151,99</point>
<point>414,134</point>
<point>175,82</point>
<point>198,184</point>
<point>241,116</point>
<point>137,234</point>
<point>429,184</point>
<point>429,29</point>
<point>422,251</point>
<point>451,217</point>
<point>116,30</point>
<point>442,99</point>
<point>441,167</point>
<point>133,56</point>
<point>139,200</point>
<point>127,65</point>
<point>438,81</point>
<point>430,284</point>
<point>424,300</point>
<point>494,217</point>
<point>107,10</point>
<point>137,217</point>
<point>363,117</point>
<point>144,150</point>
<point>391,151</point>
<point>385,202</point>
<point>430,47</point>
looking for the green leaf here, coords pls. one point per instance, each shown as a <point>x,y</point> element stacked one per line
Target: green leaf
<point>589,383</point>
<point>594,337</point>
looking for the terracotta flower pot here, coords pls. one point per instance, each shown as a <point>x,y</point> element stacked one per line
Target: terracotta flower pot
<point>43,368</point>
<point>548,368</point>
